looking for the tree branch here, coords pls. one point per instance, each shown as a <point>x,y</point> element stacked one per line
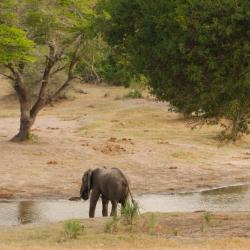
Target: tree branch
<point>92,67</point>
<point>50,62</point>
<point>58,70</point>
<point>18,83</point>
<point>7,76</point>
<point>70,77</point>
<point>66,83</point>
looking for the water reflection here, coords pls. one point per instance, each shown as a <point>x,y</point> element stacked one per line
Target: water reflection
<point>232,190</point>
<point>236,197</point>
<point>27,212</point>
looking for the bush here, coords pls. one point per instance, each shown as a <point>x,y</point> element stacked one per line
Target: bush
<point>72,229</point>
<point>115,72</point>
<point>134,94</point>
<point>130,212</point>
<point>208,217</point>
<point>195,54</point>
<point>32,137</point>
<point>103,64</point>
<point>152,224</point>
<point>112,226</point>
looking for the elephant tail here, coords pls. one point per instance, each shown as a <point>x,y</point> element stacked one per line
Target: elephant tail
<point>132,198</point>
<point>126,183</point>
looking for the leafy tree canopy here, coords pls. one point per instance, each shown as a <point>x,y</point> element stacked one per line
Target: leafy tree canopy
<point>14,45</point>
<point>38,40</point>
<point>195,53</point>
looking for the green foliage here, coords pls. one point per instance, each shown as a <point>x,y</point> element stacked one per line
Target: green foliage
<point>58,19</point>
<point>112,226</point>
<point>208,217</point>
<point>7,15</point>
<point>34,25</point>
<point>175,232</point>
<point>14,45</point>
<point>101,63</point>
<point>130,212</point>
<point>40,49</point>
<point>152,223</point>
<point>134,94</point>
<point>112,65</point>
<point>33,138</point>
<point>72,229</point>
<point>139,82</point>
<point>39,24</point>
<point>128,215</point>
<point>60,22</point>
<point>115,71</point>
<point>195,54</point>
<point>202,227</point>
<point>44,23</point>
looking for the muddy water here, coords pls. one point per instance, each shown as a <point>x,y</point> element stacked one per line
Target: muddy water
<point>235,198</point>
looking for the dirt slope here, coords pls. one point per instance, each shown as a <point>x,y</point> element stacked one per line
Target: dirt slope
<point>153,146</point>
<point>179,231</point>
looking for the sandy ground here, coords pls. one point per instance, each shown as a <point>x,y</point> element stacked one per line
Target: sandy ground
<point>184,231</point>
<point>154,147</point>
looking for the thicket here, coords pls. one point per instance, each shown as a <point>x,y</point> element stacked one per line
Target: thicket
<point>195,54</point>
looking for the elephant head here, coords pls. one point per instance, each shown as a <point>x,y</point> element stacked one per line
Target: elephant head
<point>86,184</point>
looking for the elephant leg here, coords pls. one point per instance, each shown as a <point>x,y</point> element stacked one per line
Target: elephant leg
<point>114,208</point>
<point>105,203</point>
<point>123,203</point>
<point>93,200</point>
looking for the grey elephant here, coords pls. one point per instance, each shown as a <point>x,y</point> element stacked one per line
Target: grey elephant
<point>111,184</point>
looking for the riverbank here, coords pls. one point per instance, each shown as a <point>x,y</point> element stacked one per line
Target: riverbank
<point>178,231</point>
<point>154,147</point>
<point>98,126</point>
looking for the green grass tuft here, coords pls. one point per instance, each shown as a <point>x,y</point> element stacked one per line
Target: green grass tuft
<point>130,212</point>
<point>134,94</point>
<point>152,223</point>
<point>112,226</point>
<point>72,229</point>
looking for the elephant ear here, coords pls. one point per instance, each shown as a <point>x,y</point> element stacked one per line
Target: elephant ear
<point>89,179</point>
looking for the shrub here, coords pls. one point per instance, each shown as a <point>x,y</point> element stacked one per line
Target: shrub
<point>134,94</point>
<point>195,54</point>
<point>112,226</point>
<point>152,224</point>
<point>208,217</point>
<point>130,212</point>
<point>72,229</point>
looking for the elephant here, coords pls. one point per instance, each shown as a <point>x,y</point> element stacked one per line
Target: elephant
<point>111,184</point>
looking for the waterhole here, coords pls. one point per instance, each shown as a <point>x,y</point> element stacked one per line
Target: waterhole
<point>17,212</point>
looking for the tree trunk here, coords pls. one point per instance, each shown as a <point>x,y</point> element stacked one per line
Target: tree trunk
<point>29,112</point>
<point>24,131</point>
<point>235,128</point>
<point>26,122</point>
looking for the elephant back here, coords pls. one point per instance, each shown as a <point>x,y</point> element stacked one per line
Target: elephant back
<point>113,184</point>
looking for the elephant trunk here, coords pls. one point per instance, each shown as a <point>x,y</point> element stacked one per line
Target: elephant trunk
<point>84,193</point>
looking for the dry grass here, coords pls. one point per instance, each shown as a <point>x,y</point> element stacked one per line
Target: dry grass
<point>148,139</point>
<point>141,137</point>
<point>93,237</point>
<point>145,243</point>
